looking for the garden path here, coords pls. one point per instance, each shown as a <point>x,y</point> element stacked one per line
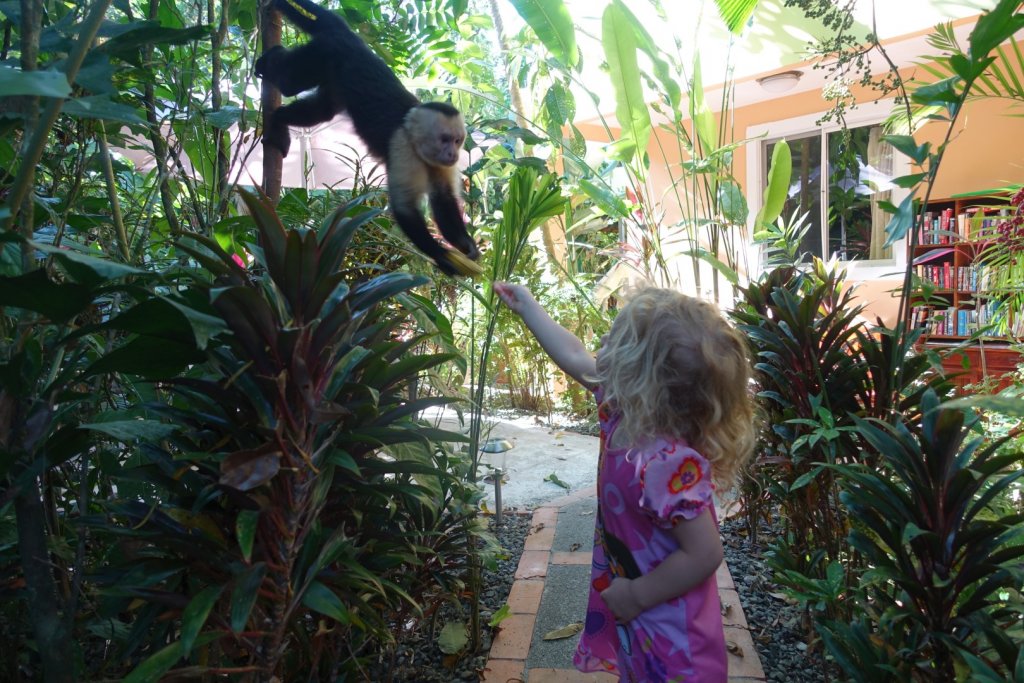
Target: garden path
<point>538,451</point>
<point>550,587</point>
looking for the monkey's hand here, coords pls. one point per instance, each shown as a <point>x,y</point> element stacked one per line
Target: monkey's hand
<point>454,263</point>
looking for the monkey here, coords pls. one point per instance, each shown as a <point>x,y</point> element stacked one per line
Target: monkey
<point>419,142</point>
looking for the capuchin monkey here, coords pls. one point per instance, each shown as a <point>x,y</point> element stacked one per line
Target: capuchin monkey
<point>419,142</point>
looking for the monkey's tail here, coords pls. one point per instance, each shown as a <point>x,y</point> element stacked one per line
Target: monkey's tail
<point>308,16</point>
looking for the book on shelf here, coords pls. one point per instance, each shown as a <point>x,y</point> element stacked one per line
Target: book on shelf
<point>972,224</point>
<point>953,321</point>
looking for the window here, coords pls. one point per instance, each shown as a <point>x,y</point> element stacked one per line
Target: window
<point>839,179</point>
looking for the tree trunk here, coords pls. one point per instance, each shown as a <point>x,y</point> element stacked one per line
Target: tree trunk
<point>270,100</point>
<point>52,642</point>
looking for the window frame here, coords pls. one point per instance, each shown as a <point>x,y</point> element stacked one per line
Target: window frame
<point>760,135</point>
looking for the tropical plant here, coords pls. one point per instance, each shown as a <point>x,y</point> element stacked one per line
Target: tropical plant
<point>67,323</point>
<point>941,592</point>
<point>818,368</point>
<point>298,509</point>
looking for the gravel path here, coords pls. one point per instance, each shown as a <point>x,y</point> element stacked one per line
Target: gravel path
<point>775,625</point>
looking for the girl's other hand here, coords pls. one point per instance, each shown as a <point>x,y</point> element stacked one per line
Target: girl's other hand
<point>621,600</point>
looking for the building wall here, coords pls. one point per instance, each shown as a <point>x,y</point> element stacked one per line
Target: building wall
<point>985,152</point>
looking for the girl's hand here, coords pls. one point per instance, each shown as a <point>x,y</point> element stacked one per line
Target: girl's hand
<point>621,600</point>
<point>516,297</point>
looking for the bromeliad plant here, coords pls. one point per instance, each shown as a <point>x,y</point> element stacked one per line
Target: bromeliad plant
<point>818,368</point>
<point>942,595</point>
<point>301,509</point>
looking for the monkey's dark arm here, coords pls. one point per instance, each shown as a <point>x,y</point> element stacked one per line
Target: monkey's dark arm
<point>412,223</point>
<point>303,112</point>
<point>293,70</point>
<point>448,216</point>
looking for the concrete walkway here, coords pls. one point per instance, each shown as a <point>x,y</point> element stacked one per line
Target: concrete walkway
<point>550,592</point>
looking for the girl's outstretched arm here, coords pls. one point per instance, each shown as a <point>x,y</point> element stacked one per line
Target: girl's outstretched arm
<point>565,349</point>
<point>699,555</point>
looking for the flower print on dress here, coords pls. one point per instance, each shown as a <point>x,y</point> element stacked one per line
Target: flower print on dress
<point>686,477</point>
<point>674,484</point>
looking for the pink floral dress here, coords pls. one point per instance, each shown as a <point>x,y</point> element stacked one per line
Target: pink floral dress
<point>641,493</point>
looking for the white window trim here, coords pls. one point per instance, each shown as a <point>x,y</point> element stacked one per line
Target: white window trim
<point>864,115</point>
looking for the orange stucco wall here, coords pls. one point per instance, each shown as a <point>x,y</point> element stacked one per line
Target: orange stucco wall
<point>986,151</point>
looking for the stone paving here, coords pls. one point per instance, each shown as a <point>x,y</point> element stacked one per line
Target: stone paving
<point>550,591</point>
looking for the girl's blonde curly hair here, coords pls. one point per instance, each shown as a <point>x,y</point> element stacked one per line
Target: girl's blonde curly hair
<point>672,366</point>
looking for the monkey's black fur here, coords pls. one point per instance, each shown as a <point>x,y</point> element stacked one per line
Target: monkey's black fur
<point>346,75</point>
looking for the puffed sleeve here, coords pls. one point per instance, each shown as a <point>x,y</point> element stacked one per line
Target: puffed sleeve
<point>675,483</point>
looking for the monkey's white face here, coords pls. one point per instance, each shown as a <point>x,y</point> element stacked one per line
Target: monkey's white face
<point>438,138</point>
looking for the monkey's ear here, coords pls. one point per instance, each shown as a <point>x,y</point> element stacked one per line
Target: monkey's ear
<point>461,264</point>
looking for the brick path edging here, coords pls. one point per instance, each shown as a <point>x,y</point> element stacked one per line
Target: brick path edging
<point>506,662</point>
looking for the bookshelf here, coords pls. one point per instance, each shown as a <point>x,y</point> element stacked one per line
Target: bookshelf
<point>950,301</point>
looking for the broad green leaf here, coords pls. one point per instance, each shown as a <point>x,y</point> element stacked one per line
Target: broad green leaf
<point>912,531</point>
<point>453,638</point>
<point>804,479</point>
<point>609,202</point>
<point>244,596</point>
<point>736,13</point>
<point>908,146</point>
<point>901,221</point>
<point>1006,405</point>
<point>382,287</point>
<point>130,37</point>
<point>322,599</point>
<point>245,529</point>
<point>703,254</point>
<point>34,291</point>
<point>941,92</point>
<point>84,267</point>
<point>97,74</point>
<point>204,327</point>
<point>153,668</point>
<point>156,317</point>
<point>908,181</point>
<point>503,613</point>
<point>102,108</point>
<point>553,478</point>
<point>620,47</point>
<point>225,117</point>
<point>195,614</point>
<point>733,202</point>
<point>778,184</point>
<point>995,27</point>
<point>149,357</point>
<point>553,24</point>
<point>662,71</point>
<point>130,430</point>
<point>33,83</point>
<point>700,112</point>
<point>160,663</point>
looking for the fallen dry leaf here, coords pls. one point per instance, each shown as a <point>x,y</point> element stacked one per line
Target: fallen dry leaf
<point>564,632</point>
<point>733,648</point>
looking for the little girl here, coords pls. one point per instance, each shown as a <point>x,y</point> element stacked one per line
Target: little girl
<point>671,383</point>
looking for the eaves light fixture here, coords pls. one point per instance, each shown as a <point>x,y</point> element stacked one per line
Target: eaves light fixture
<point>784,81</point>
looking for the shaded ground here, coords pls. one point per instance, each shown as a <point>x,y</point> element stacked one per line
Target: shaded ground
<point>538,452</point>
